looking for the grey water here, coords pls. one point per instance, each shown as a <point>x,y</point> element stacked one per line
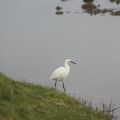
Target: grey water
<point>34,41</point>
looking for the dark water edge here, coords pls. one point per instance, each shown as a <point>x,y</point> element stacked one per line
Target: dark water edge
<point>91,8</point>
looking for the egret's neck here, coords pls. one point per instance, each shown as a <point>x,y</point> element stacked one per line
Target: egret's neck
<point>67,66</point>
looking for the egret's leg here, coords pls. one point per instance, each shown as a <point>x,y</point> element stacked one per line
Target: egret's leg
<point>64,86</point>
<point>55,83</point>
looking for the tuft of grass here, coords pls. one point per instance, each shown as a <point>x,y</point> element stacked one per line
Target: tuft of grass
<point>26,101</point>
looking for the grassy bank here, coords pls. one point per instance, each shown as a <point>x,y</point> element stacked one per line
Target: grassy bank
<point>25,101</point>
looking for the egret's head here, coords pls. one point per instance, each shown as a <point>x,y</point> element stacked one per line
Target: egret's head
<point>70,61</point>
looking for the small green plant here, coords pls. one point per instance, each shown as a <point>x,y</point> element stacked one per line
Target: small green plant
<point>109,109</point>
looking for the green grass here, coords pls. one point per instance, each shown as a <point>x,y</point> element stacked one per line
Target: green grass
<point>25,101</point>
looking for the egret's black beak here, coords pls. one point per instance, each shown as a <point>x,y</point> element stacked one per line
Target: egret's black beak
<point>73,62</point>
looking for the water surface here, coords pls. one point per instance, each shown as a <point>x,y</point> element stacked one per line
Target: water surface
<point>34,41</point>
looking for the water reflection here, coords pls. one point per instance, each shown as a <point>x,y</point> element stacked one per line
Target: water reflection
<point>90,7</point>
<point>63,0</point>
<point>59,10</point>
<point>116,1</point>
<point>88,0</point>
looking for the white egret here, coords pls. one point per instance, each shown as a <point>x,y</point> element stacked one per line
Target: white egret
<point>61,73</point>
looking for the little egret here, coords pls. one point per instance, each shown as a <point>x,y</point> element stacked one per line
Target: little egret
<point>61,73</point>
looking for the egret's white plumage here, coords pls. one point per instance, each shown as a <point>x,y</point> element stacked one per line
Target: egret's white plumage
<point>62,72</point>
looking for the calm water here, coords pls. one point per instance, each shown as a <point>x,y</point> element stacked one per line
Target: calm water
<point>34,41</point>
